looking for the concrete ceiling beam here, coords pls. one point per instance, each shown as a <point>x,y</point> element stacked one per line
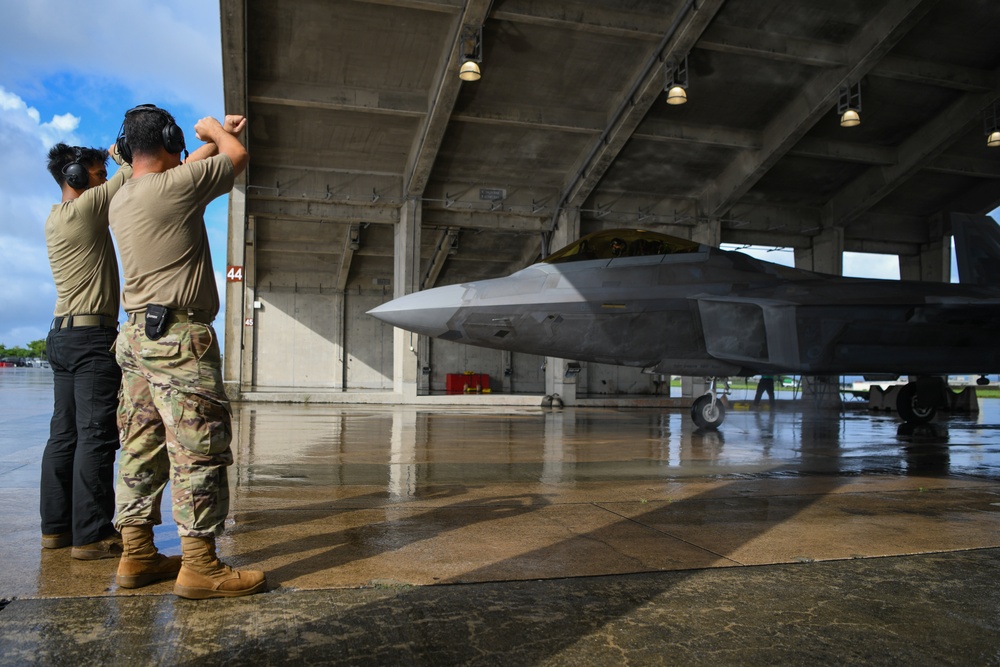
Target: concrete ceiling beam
<point>340,98</point>
<point>632,107</point>
<point>918,151</point>
<point>797,117</point>
<point>319,211</point>
<point>427,141</point>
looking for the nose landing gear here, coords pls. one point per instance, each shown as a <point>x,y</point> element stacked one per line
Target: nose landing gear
<point>709,410</point>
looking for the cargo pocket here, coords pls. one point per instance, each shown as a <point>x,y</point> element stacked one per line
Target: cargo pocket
<point>202,426</point>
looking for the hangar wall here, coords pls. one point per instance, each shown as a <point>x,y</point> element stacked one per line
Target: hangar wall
<point>312,340</point>
<point>298,346</point>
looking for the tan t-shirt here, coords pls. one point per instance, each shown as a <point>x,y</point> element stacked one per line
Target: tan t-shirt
<point>159,222</point>
<point>81,253</point>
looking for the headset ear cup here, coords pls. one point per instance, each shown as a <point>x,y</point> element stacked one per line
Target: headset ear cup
<point>173,138</point>
<point>76,175</point>
<point>123,148</point>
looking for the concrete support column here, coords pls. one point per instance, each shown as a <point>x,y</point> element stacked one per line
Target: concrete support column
<point>406,279</point>
<point>250,308</point>
<point>693,387</point>
<point>826,255</point>
<point>708,232</point>
<point>567,230</point>
<point>556,382</point>
<point>559,381</point>
<point>235,297</point>
<point>933,264</point>
<point>238,358</point>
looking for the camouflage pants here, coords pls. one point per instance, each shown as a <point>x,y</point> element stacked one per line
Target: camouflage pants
<point>174,423</point>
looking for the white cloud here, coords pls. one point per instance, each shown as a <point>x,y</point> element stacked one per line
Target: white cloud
<point>26,196</point>
<point>21,126</point>
<point>63,124</point>
<point>166,51</point>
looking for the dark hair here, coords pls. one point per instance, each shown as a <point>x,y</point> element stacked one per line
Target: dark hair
<point>143,128</point>
<point>61,155</point>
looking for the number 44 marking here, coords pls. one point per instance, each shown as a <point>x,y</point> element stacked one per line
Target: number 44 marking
<point>234,274</point>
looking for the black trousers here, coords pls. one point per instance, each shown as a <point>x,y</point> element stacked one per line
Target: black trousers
<point>765,385</point>
<point>77,485</point>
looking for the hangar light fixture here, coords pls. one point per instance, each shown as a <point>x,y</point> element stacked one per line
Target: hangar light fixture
<point>677,82</point>
<point>991,125</point>
<point>472,54</point>
<point>849,105</point>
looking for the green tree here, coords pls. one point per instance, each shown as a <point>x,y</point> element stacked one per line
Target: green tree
<point>37,348</point>
<point>34,349</point>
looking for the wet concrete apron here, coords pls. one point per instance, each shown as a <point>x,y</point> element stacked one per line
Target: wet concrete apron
<point>580,536</point>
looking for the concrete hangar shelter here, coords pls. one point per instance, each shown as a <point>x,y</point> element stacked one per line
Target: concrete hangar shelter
<point>376,171</point>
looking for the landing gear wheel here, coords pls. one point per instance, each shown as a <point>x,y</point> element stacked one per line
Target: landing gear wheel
<point>910,408</point>
<point>708,413</point>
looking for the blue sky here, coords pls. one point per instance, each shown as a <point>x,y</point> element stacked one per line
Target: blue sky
<point>68,73</point>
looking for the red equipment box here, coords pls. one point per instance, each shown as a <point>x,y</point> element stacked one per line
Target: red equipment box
<point>467,383</point>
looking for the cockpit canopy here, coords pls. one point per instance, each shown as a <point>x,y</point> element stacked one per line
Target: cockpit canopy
<point>612,243</point>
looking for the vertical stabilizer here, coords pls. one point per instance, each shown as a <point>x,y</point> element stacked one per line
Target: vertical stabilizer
<point>977,249</point>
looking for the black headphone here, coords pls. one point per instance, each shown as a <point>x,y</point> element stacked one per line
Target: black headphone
<point>173,136</point>
<point>77,176</point>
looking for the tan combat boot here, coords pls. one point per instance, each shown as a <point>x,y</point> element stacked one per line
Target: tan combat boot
<point>204,576</point>
<point>141,564</point>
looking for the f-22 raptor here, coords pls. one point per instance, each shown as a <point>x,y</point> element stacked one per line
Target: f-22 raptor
<point>669,305</point>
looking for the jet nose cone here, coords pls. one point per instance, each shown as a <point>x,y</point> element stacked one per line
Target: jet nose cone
<point>428,312</point>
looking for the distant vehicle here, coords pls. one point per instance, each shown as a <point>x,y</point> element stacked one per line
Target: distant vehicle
<point>668,305</point>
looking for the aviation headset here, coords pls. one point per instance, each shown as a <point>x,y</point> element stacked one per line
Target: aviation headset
<point>77,176</point>
<point>173,136</point>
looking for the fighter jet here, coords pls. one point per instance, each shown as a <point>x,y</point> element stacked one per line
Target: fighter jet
<point>669,305</point>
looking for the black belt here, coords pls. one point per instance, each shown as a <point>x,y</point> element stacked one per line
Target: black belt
<point>175,316</point>
<point>70,321</point>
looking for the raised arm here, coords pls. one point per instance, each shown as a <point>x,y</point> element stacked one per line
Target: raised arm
<point>225,139</point>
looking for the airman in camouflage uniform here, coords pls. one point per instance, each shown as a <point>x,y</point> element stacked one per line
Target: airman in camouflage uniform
<point>173,415</point>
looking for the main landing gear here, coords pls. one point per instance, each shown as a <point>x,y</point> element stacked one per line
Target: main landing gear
<point>919,400</point>
<point>709,410</point>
